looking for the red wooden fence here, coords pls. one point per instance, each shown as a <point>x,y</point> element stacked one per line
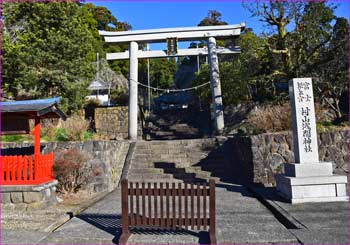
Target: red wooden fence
<point>26,170</point>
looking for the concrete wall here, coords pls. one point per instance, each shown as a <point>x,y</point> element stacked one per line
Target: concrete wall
<point>103,157</point>
<point>259,157</point>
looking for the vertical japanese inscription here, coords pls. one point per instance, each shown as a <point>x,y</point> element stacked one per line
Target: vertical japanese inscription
<point>304,123</point>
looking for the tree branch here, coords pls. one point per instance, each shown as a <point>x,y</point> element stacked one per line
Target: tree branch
<point>269,17</point>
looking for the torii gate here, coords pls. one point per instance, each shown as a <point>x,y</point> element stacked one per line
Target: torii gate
<point>172,35</point>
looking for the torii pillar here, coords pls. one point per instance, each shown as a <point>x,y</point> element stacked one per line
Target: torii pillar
<point>133,83</point>
<point>215,86</point>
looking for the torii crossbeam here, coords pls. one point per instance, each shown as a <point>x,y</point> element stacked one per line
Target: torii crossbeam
<point>209,33</point>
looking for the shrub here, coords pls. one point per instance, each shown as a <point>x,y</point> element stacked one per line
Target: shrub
<point>75,128</point>
<point>271,118</point>
<point>71,171</point>
<point>48,129</point>
<point>119,97</point>
<point>88,135</point>
<point>92,102</point>
<point>274,118</point>
<point>61,134</point>
<point>16,138</point>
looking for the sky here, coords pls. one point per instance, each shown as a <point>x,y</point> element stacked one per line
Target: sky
<point>180,13</point>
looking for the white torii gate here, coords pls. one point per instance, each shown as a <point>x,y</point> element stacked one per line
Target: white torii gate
<point>209,33</point>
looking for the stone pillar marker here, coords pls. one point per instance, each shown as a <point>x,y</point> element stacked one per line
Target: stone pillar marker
<point>304,132</point>
<point>304,122</point>
<point>308,179</point>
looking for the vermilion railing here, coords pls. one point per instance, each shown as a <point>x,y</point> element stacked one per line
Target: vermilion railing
<point>26,170</point>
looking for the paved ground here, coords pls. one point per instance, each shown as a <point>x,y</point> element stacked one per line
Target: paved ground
<point>31,226</point>
<point>315,223</point>
<point>241,218</point>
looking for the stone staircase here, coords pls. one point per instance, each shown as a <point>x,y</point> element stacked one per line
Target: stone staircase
<point>193,160</point>
<point>177,124</point>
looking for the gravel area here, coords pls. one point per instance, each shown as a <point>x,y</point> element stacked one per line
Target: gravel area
<point>43,219</point>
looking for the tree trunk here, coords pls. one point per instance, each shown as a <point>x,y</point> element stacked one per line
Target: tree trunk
<point>338,111</point>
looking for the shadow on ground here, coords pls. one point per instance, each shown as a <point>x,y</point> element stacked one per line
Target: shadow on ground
<point>107,222</point>
<point>221,164</point>
<point>113,225</point>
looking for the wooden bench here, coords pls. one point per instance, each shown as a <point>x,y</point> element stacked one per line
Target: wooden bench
<point>165,207</point>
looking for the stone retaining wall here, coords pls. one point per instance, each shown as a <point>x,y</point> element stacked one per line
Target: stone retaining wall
<point>259,157</point>
<point>29,196</point>
<point>104,157</point>
<point>112,122</point>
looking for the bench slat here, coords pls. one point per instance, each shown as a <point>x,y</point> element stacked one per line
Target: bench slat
<point>167,205</point>
<point>138,218</point>
<point>186,206</point>
<point>179,205</point>
<point>198,207</point>
<point>192,206</point>
<point>131,205</point>
<point>149,190</point>
<point>143,192</point>
<point>205,206</point>
<point>155,205</point>
<point>162,221</point>
<point>212,225</point>
<point>174,209</point>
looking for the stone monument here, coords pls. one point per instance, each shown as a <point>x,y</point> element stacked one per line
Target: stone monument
<point>308,179</point>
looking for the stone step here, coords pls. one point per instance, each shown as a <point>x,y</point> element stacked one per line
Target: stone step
<point>194,148</point>
<point>180,172</point>
<point>148,176</point>
<point>163,179</point>
<point>181,161</point>
<point>173,149</point>
<point>191,169</point>
<point>167,175</point>
<point>163,133</point>
<point>156,181</point>
<point>178,152</point>
<point>194,142</point>
<point>211,166</point>
<point>180,164</point>
<point>209,171</point>
<point>146,171</point>
<point>159,155</point>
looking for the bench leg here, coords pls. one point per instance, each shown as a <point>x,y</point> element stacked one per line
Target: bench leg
<point>124,238</point>
<point>212,237</point>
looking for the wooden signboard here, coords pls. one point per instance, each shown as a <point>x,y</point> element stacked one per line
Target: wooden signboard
<point>12,124</point>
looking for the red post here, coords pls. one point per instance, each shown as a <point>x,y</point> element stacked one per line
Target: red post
<point>37,136</point>
<point>37,128</point>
